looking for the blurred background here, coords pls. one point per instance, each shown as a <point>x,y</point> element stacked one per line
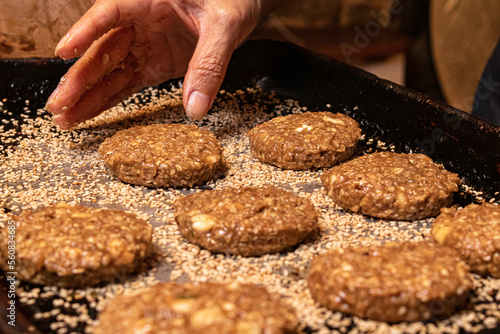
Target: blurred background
<point>438,47</point>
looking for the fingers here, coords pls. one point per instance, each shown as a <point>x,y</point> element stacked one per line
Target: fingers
<point>120,97</point>
<point>96,100</point>
<point>102,58</point>
<point>206,71</point>
<point>97,21</point>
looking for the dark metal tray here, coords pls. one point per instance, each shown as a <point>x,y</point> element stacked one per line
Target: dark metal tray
<point>386,111</point>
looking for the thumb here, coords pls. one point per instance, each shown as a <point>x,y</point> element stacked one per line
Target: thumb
<point>206,72</point>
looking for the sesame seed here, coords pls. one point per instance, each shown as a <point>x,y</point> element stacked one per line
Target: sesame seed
<point>45,166</point>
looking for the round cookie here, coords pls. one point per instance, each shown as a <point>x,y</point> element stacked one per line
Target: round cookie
<point>247,221</point>
<point>392,186</point>
<point>392,283</point>
<point>303,141</point>
<point>73,246</point>
<point>474,232</point>
<point>163,155</point>
<point>197,308</point>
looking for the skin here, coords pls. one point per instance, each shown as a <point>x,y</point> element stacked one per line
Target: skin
<point>125,45</point>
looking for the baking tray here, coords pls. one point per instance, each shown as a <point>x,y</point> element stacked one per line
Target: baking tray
<point>412,121</point>
<point>404,120</point>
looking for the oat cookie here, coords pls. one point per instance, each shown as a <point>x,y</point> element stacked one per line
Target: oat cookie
<point>392,283</point>
<point>303,141</point>
<point>247,221</point>
<point>198,308</point>
<point>392,186</point>
<point>73,246</point>
<point>475,233</point>
<point>163,155</point>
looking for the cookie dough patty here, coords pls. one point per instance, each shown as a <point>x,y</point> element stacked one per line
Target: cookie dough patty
<point>392,186</point>
<point>475,233</point>
<point>303,141</point>
<point>72,246</point>
<point>246,221</point>
<point>163,155</point>
<point>392,283</point>
<point>199,308</point>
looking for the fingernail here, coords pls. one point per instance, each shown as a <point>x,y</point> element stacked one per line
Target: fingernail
<point>50,100</point>
<point>198,105</point>
<point>60,45</point>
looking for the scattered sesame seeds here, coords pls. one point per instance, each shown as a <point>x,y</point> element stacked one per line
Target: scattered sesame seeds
<point>45,166</point>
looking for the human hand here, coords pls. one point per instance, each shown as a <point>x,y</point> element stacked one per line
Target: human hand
<point>140,43</point>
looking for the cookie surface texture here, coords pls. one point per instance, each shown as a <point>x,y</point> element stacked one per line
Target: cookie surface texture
<point>247,221</point>
<point>392,283</point>
<point>73,246</point>
<point>163,155</point>
<point>304,141</point>
<point>198,308</point>
<point>392,186</point>
<point>474,232</point>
